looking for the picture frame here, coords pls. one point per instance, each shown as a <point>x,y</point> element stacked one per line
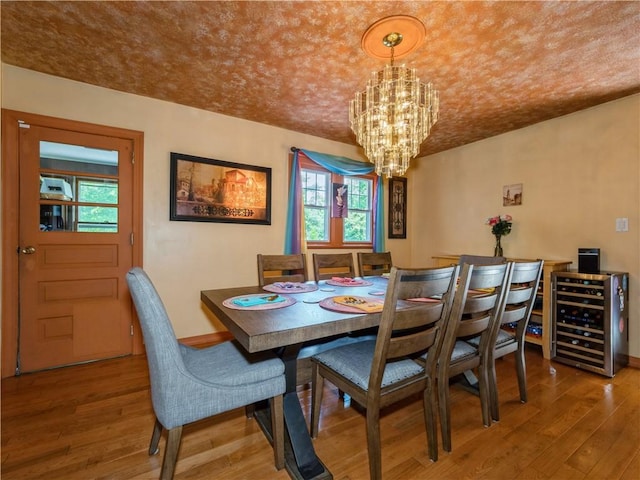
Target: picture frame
<point>512,195</point>
<point>397,224</point>
<point>210,190</point>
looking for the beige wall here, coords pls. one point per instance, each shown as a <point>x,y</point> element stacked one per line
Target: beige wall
<point>579,173</point>
<point>183,258</point>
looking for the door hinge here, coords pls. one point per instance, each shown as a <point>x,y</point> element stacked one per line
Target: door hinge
<point>133,157</point>
<point>131,239</point>
<point>132,330</point>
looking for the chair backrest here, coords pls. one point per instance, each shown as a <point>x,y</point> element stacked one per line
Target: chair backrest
<point>282,268</point>
<point>163,351</point>
<point>520,297</point>
<point>410,329</point>
<point>327,265</point>
<point>480,260</point>
<point>480,299</point>
<point>374,263</point>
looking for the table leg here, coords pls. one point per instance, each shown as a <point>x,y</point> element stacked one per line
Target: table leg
<point>301,460</point>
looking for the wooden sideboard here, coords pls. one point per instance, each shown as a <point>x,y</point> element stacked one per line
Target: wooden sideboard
<point>543,317</point>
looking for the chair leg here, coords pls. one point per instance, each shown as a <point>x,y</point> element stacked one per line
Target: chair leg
<point>445,414</point>
<point>250,410</point>
<point>155,438</point>
<point>430,414</point>
<point>171,453</point>
<point>277,429</point>
<point>521,370</point>
<point>485,400</point>
<point>317,384</point>
<point>493,391</point>
<point>373,443</point>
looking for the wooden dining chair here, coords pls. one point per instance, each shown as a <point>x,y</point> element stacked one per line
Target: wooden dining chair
<point>374,263</point>
<point>480,260</point>
<point>477,305</point>
<point>327,265</point>
<point>282,268</point>
<point>383,371</point>
<point>519,301</point>
<point>293,268</point>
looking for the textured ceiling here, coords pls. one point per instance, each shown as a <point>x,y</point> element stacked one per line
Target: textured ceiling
<point>498,66</point>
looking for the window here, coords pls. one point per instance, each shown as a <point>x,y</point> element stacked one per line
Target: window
<point>326,230</point>
<point>97,218</point>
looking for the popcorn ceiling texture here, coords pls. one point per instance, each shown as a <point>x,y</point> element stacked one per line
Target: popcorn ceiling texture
<point>498,66</point>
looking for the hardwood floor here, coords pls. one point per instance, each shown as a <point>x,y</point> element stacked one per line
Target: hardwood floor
<point>94,421</point>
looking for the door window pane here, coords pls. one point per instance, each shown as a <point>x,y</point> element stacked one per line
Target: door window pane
<point>78,188</point>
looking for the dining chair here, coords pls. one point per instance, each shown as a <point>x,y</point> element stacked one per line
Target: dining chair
<point>189,384</point>
<point>328,265</point>
<point>480,260</point>
<point>374,263</point>
<point>380,372</point>
<point>476,307</point>
<point>293,268</point>
<point>519,301</point>
<point>282,268</point>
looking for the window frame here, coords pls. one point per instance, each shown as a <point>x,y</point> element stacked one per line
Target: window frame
<point>336,224</point>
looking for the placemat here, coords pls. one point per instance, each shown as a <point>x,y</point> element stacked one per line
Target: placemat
<point>348,282</point>
<point>268,305</point>
<point>330,304</point>
<point>290,287</point>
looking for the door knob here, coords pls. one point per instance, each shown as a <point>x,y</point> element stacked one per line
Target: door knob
<point>28,250</point>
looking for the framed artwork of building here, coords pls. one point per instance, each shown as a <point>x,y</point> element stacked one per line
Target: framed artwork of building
<point>208,190</point>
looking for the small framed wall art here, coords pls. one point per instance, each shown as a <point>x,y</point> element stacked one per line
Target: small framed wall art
<point>397,207</point>
<point>208,190</point>
<point>512,195</point>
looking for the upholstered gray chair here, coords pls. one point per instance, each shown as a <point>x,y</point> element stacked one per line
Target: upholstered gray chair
<point>381,372</point>
<point>189,384</point>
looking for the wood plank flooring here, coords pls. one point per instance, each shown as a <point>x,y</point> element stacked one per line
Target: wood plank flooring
<point>94,421</point>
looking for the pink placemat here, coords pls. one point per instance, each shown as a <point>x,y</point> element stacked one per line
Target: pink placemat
<point>290,287</point>
<point>288,301</point>
<point>347,283</point>
<point>330,304</point>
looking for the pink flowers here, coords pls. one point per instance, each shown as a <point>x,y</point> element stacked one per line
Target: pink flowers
<point>500,225</point>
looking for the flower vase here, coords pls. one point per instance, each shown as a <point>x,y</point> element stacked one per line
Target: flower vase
<point>497,251</point>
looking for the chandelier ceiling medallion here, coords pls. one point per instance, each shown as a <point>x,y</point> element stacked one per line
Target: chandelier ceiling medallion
<point>395,113</point>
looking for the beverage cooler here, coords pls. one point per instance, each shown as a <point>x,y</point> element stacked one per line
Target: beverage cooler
<point>590,318</point>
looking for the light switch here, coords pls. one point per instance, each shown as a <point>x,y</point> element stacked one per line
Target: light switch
<point>622,224</point>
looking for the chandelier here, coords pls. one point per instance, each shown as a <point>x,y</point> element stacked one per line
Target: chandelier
<point>395,113</point>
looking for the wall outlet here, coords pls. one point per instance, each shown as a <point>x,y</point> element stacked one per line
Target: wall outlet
<point>622,224</point>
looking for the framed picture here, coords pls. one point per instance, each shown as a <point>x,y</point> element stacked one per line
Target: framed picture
<point>397,207</point>
<point>512,195</point>
<point>208,190</point>
<point>339,204</point>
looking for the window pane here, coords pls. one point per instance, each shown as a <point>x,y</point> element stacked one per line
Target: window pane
<point>316,211</point>
<point>359,193</point>
<point>357,227</point>
<point>97,219</point>
<point>97,191</point>
<point>316,224</point>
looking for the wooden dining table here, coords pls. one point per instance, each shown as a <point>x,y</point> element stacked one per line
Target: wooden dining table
<point>285,330</point>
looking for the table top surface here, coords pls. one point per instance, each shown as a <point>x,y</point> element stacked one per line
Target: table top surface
<point>303,321</point>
